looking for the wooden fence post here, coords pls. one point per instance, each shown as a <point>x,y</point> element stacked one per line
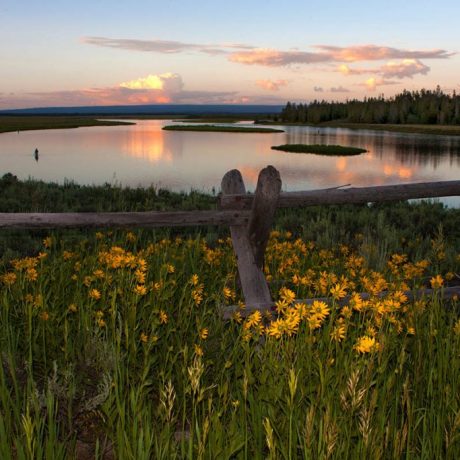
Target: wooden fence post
<point>263,211</point>
<point>253,282</point>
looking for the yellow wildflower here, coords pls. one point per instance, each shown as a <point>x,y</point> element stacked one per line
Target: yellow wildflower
<point>44,316</point>
<point>338,333</point>
<point>253,319</point>
<point>204,333</point>
<point>366,344</point>
<point>457,328</point>
<point>287,295</point>
<point>144,338</point>
<point>95,294</point>
<point>142,265</point>
<point>31,274</point>
<point>140,289</point>
<point>170,268</point>
<point>140,276</point>
<point>47,242</point>
<point>163,317</point>
<point>320,309</point>
<point>276,329</point>
<point>9,278</point>
<point>198,350</point>
<point>197,296</point>
<point>314,322</point>
<point>98,274</point>
<point>228,293</point>
<point>281,305</point>
<point>194,280</point>
<point>338,291</point>
<point>236,316</point>
<point>72,308</point>
<point>436,282</point>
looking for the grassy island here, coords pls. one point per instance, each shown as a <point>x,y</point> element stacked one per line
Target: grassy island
<point>27,123</point>
<point>319,149</point>
<point>223,129</point>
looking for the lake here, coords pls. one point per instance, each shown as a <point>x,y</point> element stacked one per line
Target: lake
<point>144,155</point>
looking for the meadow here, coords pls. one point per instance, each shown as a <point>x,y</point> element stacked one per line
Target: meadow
<point>113,344</point>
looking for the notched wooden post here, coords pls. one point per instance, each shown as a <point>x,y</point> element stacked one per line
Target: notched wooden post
<point>253,282</point>
<point>263,211</point>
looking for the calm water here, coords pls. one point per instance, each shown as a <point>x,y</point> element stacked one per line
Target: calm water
<point>143,154</point>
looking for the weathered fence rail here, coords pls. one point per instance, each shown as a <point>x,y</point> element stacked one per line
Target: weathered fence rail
<point>249,216</point>
<point>123,219</point>
<point>340,195</point>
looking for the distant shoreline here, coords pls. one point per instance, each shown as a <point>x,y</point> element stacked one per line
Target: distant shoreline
<point>11,123</point>
<point>31,123</point>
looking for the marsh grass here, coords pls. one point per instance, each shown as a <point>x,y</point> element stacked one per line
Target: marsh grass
<point>112,345</point>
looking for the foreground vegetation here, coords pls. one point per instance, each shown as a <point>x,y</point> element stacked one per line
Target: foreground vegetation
<point>27,123</point>
<point>320,149</point>
<point>223,129</point>
<point>112,345</point>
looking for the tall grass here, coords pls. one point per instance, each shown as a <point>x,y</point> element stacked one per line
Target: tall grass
<point>113,346</point>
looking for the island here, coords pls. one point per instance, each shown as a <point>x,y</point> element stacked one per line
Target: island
<point>223,129</point>
<point>320,149</point>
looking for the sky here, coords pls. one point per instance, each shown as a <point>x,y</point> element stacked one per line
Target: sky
<point>99,52</point>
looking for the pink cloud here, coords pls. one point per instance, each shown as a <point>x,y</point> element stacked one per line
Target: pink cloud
<point>377,53</point>
<point>271,85</point>
<point>405,68</point>
<point>161,46</point>
<point>339,89</point>
<point>372,83</point>
<point>276,58</point>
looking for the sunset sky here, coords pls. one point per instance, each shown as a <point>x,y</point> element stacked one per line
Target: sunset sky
<point>98,52</point>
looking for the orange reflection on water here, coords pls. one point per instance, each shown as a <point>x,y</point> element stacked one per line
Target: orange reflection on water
<point>400,171</point>
<point>148,145</point>
<point>341,164</point>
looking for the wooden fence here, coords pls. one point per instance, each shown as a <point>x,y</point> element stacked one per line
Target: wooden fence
<point>249,216</point>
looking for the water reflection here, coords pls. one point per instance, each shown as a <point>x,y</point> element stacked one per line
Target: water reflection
<point>143,154</point>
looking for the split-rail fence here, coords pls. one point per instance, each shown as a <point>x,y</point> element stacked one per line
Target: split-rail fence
<point>250,218</point>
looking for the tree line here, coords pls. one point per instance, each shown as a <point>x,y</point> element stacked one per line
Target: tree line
<point>433,107</point>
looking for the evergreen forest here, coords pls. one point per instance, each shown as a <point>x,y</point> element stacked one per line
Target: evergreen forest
<point>430,107</point>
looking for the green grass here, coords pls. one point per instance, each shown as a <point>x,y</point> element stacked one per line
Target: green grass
<point>89,361</point>
<point>223,129</point>
<point>26,123</point>
<point>320,149</point>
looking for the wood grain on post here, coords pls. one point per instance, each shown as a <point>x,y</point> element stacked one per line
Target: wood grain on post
<point>263,211</point>
<point>253,282</point>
